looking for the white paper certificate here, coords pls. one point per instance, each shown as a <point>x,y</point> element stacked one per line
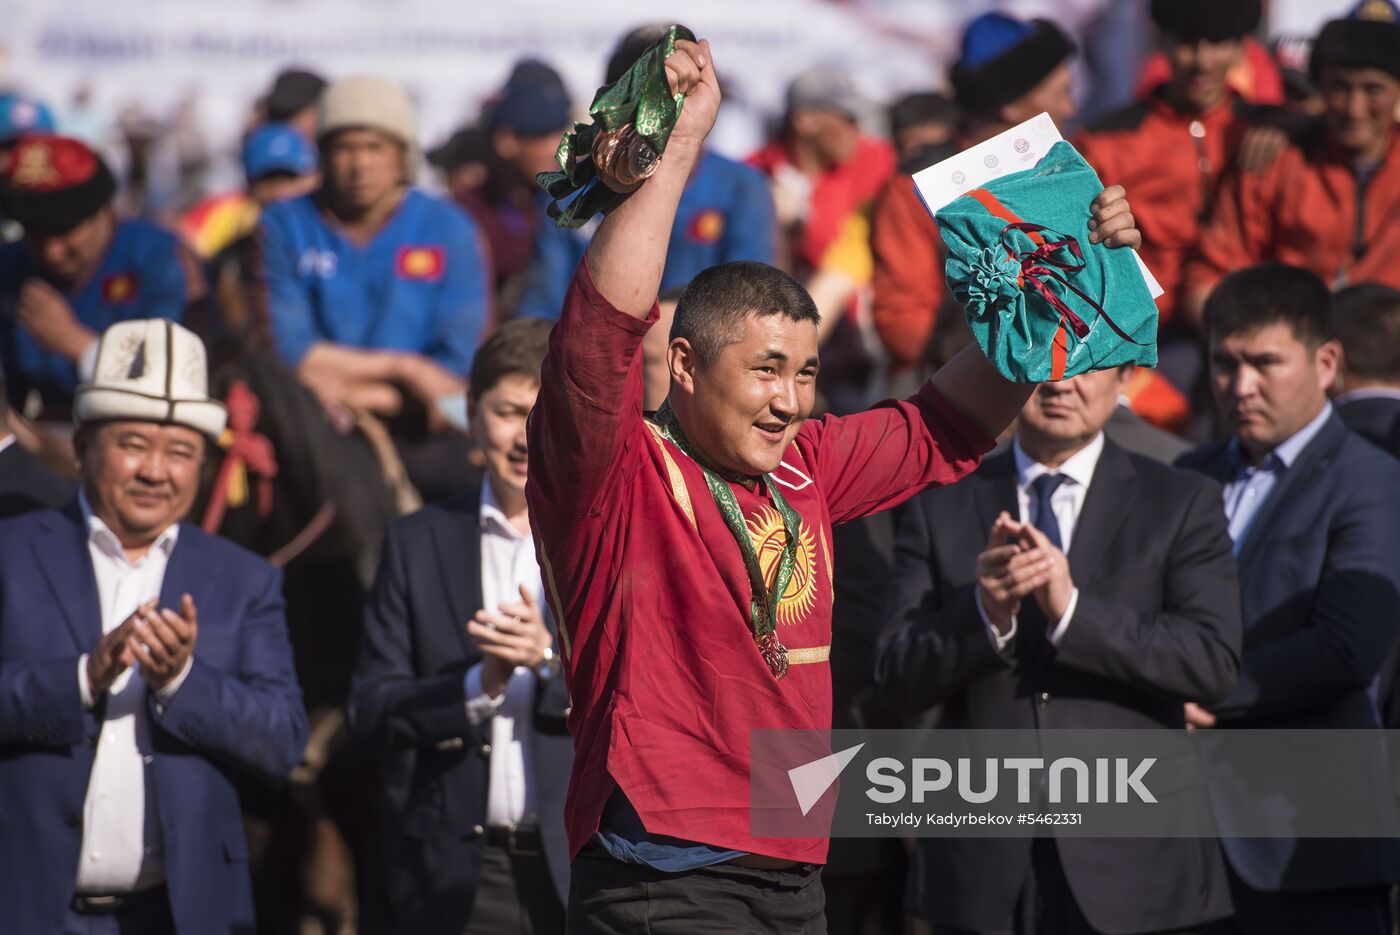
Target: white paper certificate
<point>1019,148</point>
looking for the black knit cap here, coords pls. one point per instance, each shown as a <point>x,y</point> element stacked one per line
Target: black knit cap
<point>1368,38</point>
<point>1014,72</point>
<point>1211,20</point>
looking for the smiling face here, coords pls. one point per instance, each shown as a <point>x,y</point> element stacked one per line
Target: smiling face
<point>1199,68</point>
<point>1360,106</point>
<point>498,430</point>
<point>743,409</point>
<point>1269,383</point>
<point>140,477</point>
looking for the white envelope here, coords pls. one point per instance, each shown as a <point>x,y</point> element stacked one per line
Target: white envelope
<point>1018,148</point>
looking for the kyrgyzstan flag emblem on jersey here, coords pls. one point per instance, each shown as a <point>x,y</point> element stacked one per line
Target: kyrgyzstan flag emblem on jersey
<point>707,226</point>
<point>425,263</point>
<point>119,287</point>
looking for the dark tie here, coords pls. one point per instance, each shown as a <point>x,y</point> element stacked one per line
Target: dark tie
<point>1042,489</point>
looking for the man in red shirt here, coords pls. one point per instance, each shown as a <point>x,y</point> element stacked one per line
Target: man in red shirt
<point>687,555</point>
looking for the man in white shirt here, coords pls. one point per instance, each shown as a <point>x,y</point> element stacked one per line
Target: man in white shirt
<point>140,661</point>
<point>1067,583</point>
<point>457,685</point>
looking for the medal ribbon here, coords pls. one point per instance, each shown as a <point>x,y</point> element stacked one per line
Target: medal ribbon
<point>763,609</point>
<point>603,161</point>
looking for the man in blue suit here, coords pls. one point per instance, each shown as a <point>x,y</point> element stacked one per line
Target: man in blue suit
<point>142,663</point>
<point>1314,513</point>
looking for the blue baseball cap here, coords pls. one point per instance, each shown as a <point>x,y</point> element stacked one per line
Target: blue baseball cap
<point>277,147</point>
<point>534,101</point>
<point>20,115</point>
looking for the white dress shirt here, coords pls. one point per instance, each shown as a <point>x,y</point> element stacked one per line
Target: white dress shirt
<point>1066,502</point>
<point>122,850</point>
<point>507,562</point>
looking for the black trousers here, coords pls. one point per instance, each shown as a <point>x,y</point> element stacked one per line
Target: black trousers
<point>609,897</point>
<point>1046,905</point>
<point>515,896</point>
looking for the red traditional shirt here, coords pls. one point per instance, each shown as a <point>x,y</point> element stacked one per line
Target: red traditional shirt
<point>650,590</point>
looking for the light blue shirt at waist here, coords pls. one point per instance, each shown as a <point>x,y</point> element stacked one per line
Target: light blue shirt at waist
<point>1247,493</point>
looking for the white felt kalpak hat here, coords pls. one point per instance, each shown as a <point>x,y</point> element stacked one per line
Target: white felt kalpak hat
<point>150,370</point>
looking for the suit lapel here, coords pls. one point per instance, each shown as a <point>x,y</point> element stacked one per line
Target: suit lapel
<point>999,491</point>
<point>61,553</point>
<point>1312,459</point>
<point>1103,512</point>
<point>458,555</point>
<point>187,571</point>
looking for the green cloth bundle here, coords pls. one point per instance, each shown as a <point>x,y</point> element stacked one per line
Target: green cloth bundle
<point>604,161</point>
<point>1041,300</point>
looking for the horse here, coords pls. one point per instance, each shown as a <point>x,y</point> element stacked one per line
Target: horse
<point>285,484</point>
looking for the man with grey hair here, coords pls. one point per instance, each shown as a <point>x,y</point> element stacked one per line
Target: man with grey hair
<point>142,663</point>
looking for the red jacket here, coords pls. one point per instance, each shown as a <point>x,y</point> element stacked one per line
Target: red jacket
<point>1307,210</point>
<point>1170,173</point>
<point>650,590</point>
<point>837,194</point>
<point>908,282</point>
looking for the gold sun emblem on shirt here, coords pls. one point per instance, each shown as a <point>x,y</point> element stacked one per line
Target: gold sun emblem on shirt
<point>766,531</point>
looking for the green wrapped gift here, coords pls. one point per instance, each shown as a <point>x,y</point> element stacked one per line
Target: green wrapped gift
<point>1041,300</point>
<point>602,162</point>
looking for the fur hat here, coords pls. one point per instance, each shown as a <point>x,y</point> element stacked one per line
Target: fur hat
<point>1369,37</point>
<point>368,102</point>
<point>1211,20</point>
<point>150,370</point>
<point>1003,58</point>
<point>50,184</point>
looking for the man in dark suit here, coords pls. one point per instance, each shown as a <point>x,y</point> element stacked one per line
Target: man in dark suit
<point>458,687</point>
<point>142,662</point>
<point>1104,596</point>
<point>1368,325</point>
<point>1314,513</point>
<point>25,483</point>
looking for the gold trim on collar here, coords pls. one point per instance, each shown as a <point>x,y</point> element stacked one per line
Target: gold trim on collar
<point>678,488</point>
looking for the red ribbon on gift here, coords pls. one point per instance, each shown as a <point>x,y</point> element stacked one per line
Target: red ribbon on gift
<point>1041,263</point>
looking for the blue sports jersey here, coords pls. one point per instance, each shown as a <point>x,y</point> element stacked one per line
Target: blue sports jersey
<point>726,213</point>
<point>146,273</point>
<point>419,285</point>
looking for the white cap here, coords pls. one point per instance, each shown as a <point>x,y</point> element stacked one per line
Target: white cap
<point>375,103</point>
<point>150,370</point>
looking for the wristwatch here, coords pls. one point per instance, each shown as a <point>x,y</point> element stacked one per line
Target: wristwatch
<point>550,666</point>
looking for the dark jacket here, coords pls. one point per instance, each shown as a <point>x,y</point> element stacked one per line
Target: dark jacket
<point>408,703</point>
<point>1157,624</point>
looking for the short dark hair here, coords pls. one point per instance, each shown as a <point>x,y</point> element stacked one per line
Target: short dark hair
<point>517,347</point>
<point>1368,324</point>
<point>921,107</point>
<point>1267,294</point>
<point>713,307</point>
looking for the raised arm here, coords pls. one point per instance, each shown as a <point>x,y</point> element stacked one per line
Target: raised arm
<point>628,253</point>
<point>586,427</point>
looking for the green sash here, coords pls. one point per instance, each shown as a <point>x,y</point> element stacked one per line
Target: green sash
<point>763,609</point>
